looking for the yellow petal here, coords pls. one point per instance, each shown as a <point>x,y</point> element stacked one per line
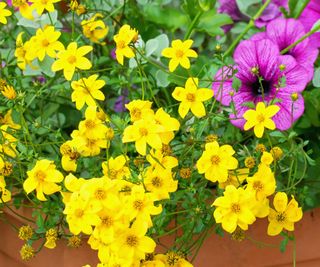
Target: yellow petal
<point>280,201</point>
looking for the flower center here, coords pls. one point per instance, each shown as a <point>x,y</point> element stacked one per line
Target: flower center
<point>79,213</point>
<point>44,2</point>
<point>100,194</point>
<point>138,205</point>
<point>143,132</point>
<point>179,53</point>
<point>121,44</point>
<point>258,186</point>
<point>215,159</point>
<point>281,217</point>
<point>156,182</point>
<point>107,221</point>
<point>135,113</point>
<point>90,124</point>
<point>191,97</point>
<point>113,174</point>
<point>132,241</point>
<point>260,118</point>
<point>261,88</point>
<point>41,176</point>
<point>235,208</point>
<point>45,42</point>
<point>72,59</point>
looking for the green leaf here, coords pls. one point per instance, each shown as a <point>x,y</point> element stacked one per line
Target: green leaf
<point>169,17</point>
<point>283,244</point>
<point>162,78</point>
<point>236,83</point>
<point>249,104</point>
<point>296,7</point>
<point>206,4</point>
<point>211,22</point>
<point>245,4</point>
<point>316,25</point>
<point>316,78</point>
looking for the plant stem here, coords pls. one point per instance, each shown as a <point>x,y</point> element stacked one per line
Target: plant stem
<point>249,26</point>
<point>300,39</point>
<point>193,24</point>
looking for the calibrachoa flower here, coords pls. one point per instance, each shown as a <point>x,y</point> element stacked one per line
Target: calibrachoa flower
<point>260,118</point>
<point>258,64</point>
<point>191,98</point>
<point>94,28</point>
<point>4,13</point>
<point>72,58</point>
<point>179,53</point>
<point>86,90</point>
<point>41,5</point>
<point>284,215</point>
<point>125,36</point>
<point>216,161</point>
<point>43,178</point>
<point>284,32</point>
<point>234,208</point>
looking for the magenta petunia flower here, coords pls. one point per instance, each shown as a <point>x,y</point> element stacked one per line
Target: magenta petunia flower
<point>309,16</point>
<point>284,32</point>
<point>261,58</point>
<point>231,8</point>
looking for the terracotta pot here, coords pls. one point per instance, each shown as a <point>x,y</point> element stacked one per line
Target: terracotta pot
<point>216,250</point>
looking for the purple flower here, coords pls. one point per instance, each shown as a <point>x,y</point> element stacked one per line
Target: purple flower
<point>231,8</point>
<point>309,16</point>
<point>9,2</point>
<point>119,105</point>
<point>261,59</point>
<point>284,32</point>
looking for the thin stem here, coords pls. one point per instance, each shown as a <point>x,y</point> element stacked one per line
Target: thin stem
<point>193,24</point>
<point>300,39</point>
<point>249,26</point>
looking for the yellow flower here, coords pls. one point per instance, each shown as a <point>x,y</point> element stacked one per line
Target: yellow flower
<point>8,92</point>
<point>160,182</point>
<point>24,8</point>
<point>46,42</point>
<point>262,182</point>
<point>191,97</point>
<point>216,161</point>
<point>234,209</point>
<point>250,162</point>
<point>69,156</point>
<point>158,160</point>
<point>179,54</point>
<point>137,108</point>
<point>169,124</point>
<point>25,232</point>
<point>94,29</point>
<point>43,178</point>
<point>21,52</point>
<point>173,259</point>
<point>41,5</point>
<point>4,193</point>
<point>260,118</point>
<point>27,252</point>
<point>132,244</point>
<point>276,152</point>
<point>86,90</point>
<point>92,127</point>
<point>116,168</point>
<point>72,58</point>
<point>143,132</point>
<point>285,214</point>
<point>8,142</point>
<point>266,159</point>
<point>125,36</point>
<point>4,13</point>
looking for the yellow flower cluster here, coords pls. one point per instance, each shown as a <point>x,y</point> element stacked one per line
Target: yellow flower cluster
<point>246,197</point>
<point>115,212</point>
<point>149,127</point>
<point>94,28</point>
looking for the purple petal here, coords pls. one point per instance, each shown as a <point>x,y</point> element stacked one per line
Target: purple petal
<point>271,12</point>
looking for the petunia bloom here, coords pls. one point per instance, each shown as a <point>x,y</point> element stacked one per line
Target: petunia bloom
<point>284,32</point>
<point>258,64</point>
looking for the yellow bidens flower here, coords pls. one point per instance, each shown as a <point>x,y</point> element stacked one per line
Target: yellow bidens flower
<point>216,161</point>
<point>234,209</point>
<point>260,118</point>
<point>125,36</point>
<point>4,13</point>
<point>41,5</point>
<point>94,29</point>
<point>72,58</point>
<point>25,232</point>
<point>27,252</point>
<point>86,90</point>
<point>276,152</point>
<point>172,258</point>
<point>43,178</point>
<point>46,42</point>
<point>285,214</point>
<point>4,193</point>
<point>51,238</point>
<point>179,54</point>
<point>23,58</point>
<point>191,97</point>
